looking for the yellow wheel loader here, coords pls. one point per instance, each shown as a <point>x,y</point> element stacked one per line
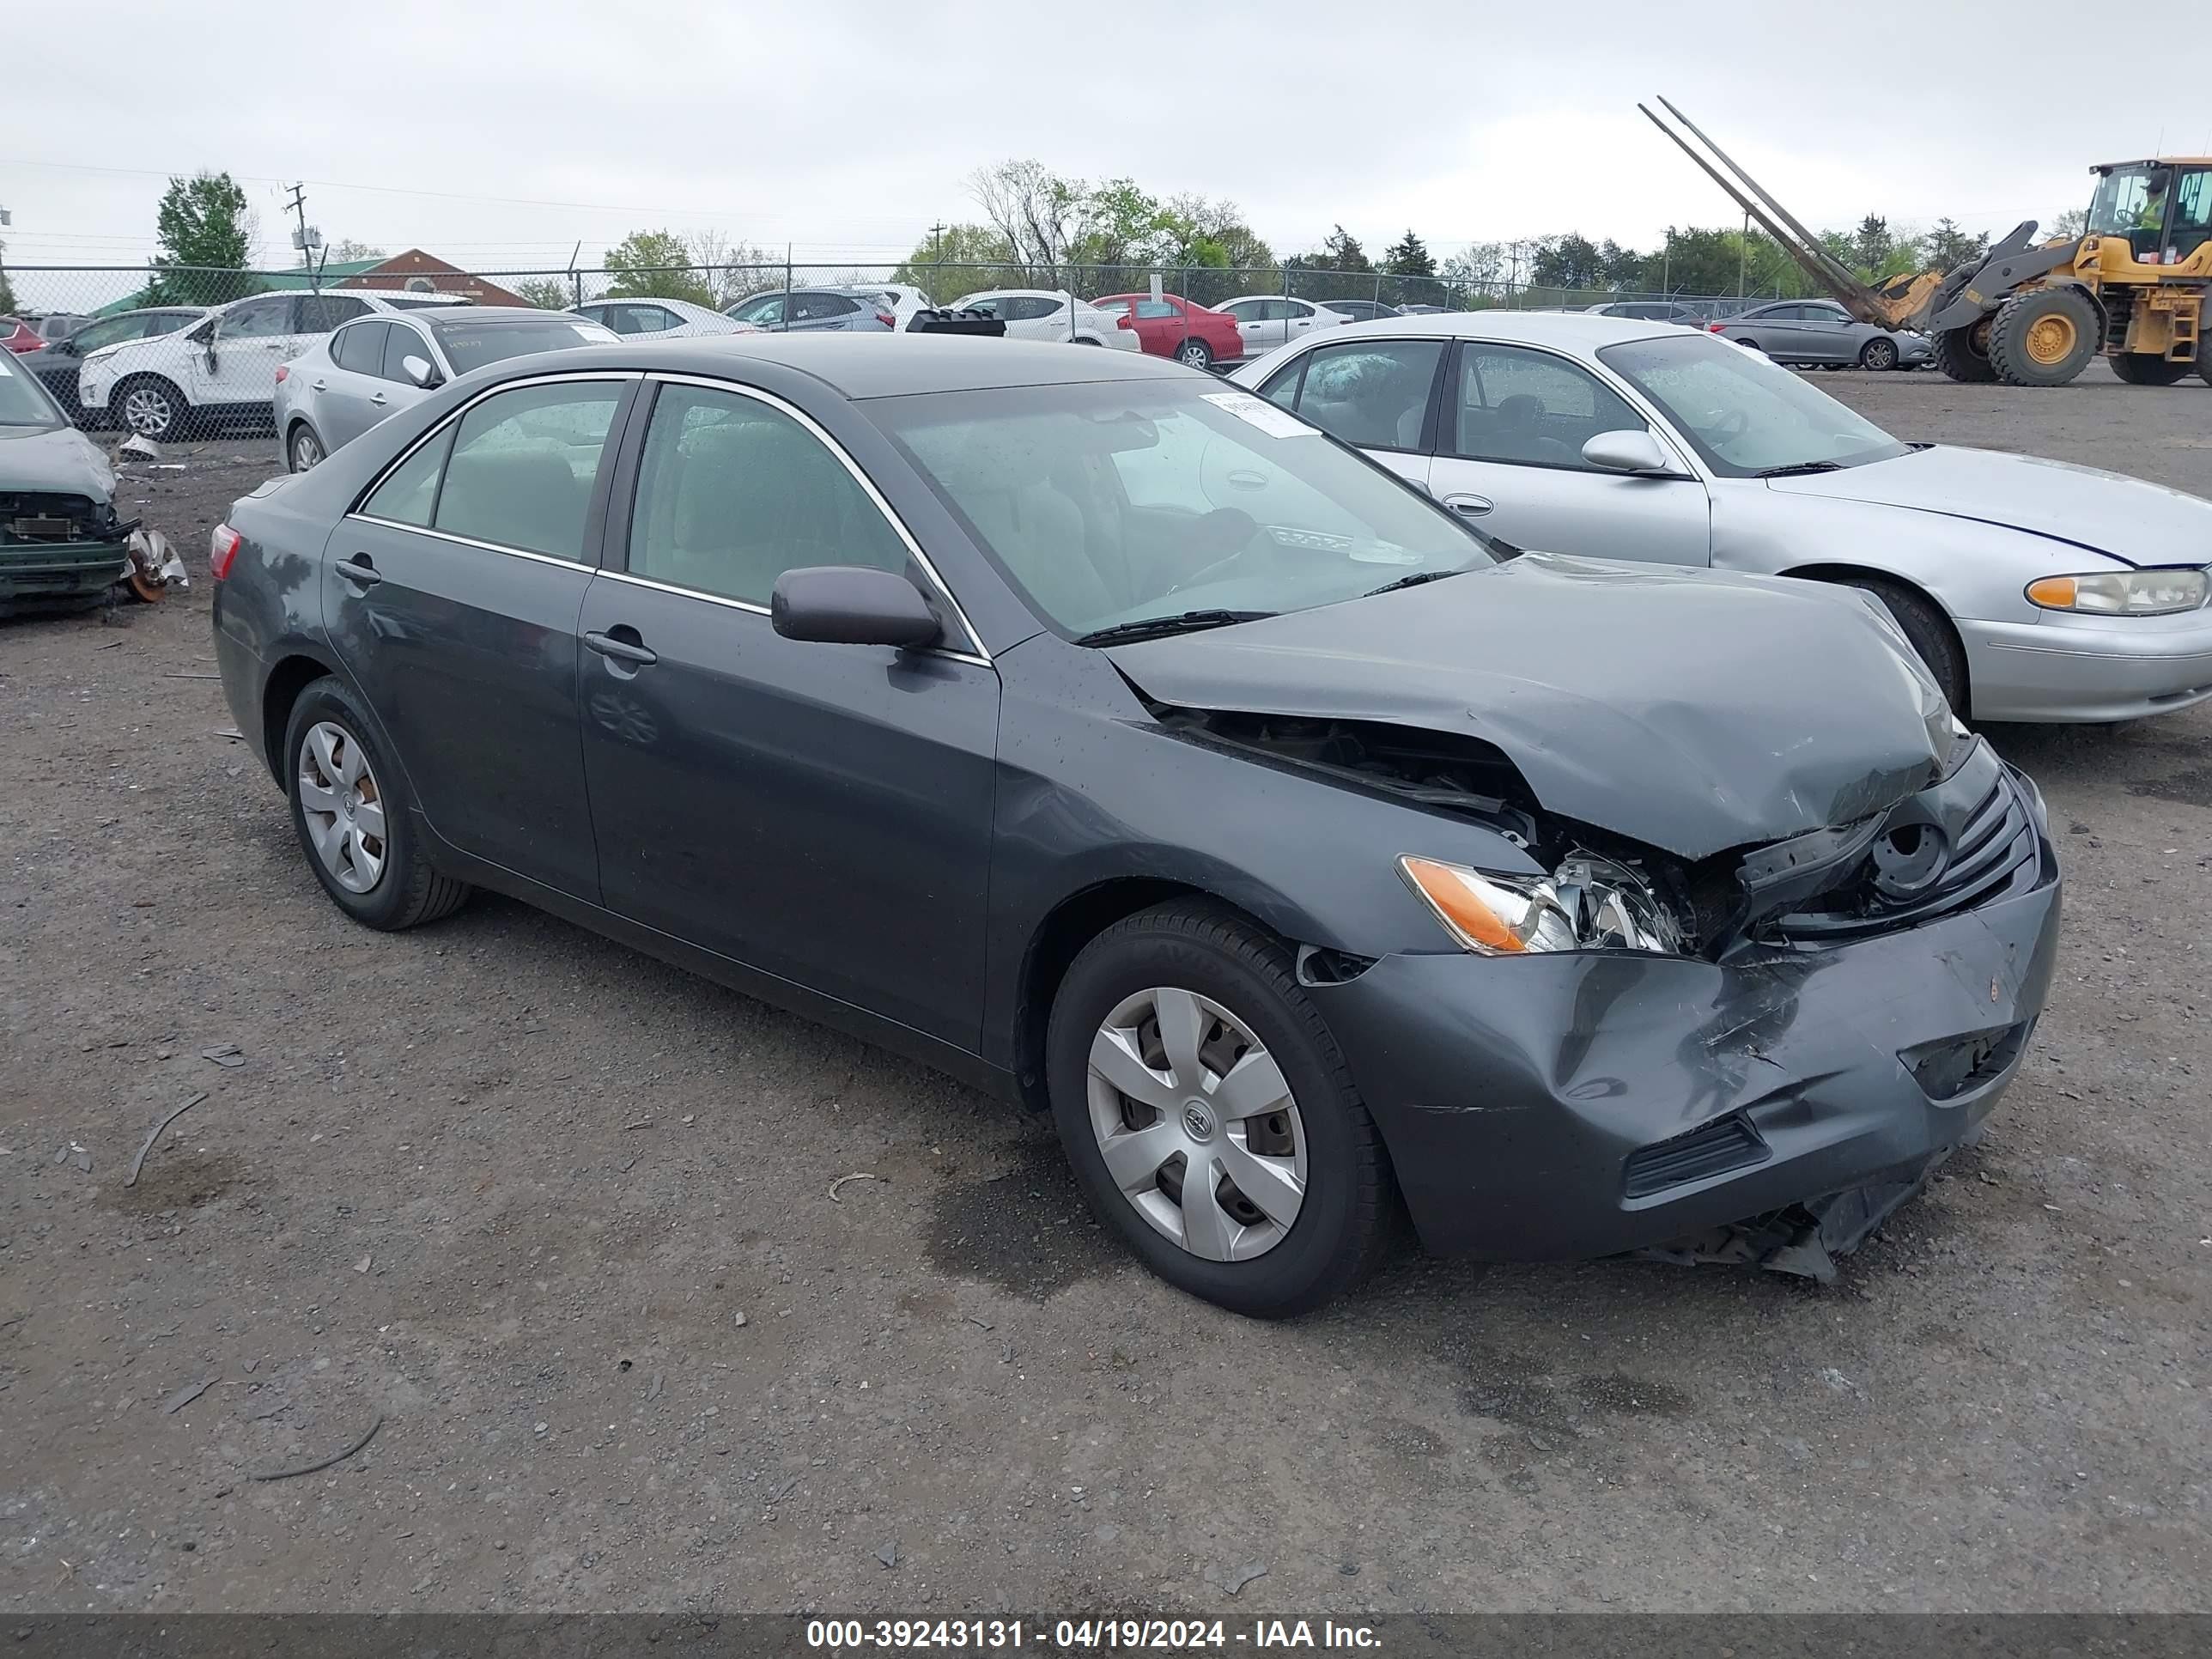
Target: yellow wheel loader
<point>2133,287</point>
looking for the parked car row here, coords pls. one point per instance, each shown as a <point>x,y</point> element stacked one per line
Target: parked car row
<point>1067,721</point>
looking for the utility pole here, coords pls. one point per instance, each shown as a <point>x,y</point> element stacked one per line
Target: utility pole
<point>1742,253</point>
<point>307,238</point>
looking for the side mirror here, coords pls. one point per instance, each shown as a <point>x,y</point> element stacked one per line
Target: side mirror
<point>1626,452</point>
<point>420,371</point>
<point>852,604</point>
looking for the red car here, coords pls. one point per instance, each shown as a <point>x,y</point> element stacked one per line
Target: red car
<point>1171,327</point>
<point>17,335</point>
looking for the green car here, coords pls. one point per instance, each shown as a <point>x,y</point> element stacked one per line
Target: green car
<point>61,545</point>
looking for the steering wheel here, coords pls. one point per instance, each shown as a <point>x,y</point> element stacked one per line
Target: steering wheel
<point>1225,526</point>
<point>1727,426</point>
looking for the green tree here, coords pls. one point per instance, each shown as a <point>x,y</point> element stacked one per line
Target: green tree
<point>656,264</point>
<point>960,260</point>
<point>1215,235</point>
<point>7,288</point>
<point>1872,244</point>
<point>204,231</point>
<point>1409,256</point>
<point>347,249</point>
<point>1948,247</point>
<point>2073,222</point>
<point>546,293</point>
<point>1339,251</point>
<point>1570,261</point>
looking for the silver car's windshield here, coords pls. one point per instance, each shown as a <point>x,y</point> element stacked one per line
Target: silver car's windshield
<point>23,401</point>
<point>1745,414</point>
<point>1118,501</point>
<point>473,345</point>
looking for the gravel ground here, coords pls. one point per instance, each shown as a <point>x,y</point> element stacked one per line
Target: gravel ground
<point>560,1218</point>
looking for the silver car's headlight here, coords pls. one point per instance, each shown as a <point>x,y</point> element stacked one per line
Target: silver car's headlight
<point>2123,593</point>
<point>1587,904</point>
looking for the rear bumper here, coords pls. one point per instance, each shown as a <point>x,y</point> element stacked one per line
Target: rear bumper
<point>2080,669</point>
<point>1558,1107</point>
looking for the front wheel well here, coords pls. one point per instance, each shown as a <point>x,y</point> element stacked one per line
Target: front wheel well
<point>1059,940</point>
<point>1850,575</point>
<point>289,678</point>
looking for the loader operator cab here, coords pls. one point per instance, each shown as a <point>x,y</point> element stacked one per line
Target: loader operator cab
<point>2163,211</point>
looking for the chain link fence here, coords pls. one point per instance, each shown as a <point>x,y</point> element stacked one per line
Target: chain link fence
<point>92,292</point>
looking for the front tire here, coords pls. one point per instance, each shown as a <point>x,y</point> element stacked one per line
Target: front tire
<point>354,817</point>
<point>151,408</point>
<point>2142,368</point>
<point>1879,355</point>
<point>1960,357</point>
<point>1933,638</point>
<point>2044,337</point>
<point>1210,1116</point>
<point>1195,354</point>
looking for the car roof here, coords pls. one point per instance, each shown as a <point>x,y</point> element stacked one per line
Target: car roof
<point>1585,329</point>
<point>1018,293</point>
<point>477,316</point>
<point>861,366</point>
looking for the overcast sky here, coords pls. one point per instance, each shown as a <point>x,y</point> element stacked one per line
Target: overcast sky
<point>501,135</point>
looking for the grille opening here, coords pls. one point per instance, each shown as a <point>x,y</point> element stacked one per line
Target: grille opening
<point>1711,1149</point>
<point>1947,1068</point>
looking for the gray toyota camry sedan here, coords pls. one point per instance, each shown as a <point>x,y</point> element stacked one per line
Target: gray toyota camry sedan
<point>1120,743</point>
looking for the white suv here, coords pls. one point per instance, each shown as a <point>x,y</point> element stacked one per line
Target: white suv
<point>226,366</point>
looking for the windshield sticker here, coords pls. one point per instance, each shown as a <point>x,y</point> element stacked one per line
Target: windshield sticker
<point>1258,411</point>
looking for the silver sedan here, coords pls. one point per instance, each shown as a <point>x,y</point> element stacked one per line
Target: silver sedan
<point>2034,590</point>
<point>1821,332</point>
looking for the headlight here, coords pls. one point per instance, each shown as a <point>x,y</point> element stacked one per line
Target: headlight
<point>2121,593</point>
<point>1586,904</point>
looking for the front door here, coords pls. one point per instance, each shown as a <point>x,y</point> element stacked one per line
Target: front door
<point>251,339</point>
<point>452,597</point>
<point>819,813</point>
<point>1374,392</point>
<point>1508,460</point>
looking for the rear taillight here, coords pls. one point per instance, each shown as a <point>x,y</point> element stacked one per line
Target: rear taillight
<point>1715,328</point>
<point>1122,320</point>
<point>222,549</point>
<point>887,320</point>
<point>280,373</point>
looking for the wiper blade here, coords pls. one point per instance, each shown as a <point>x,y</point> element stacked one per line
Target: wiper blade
<point>1797,469</point>
<point>1414,580</point>
<point>1154,627</point>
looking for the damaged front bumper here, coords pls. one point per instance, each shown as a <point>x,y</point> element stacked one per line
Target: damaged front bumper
<point>38,574</point>
<point>1771,1108</point>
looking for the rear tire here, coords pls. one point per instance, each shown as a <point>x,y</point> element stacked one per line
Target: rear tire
<point>2141,369</point>
<point>1934,639</point>
<point>1195,354</point>
<point>2044,337</point>
<point>303,448</point>
<point>329,754</point>
<point>1958,356</point>
<point>1878,354</point>
<point>1239,980</point>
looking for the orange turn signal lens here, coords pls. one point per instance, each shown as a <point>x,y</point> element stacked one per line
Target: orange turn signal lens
<point>1472,909</point>
<point>2053,592</point>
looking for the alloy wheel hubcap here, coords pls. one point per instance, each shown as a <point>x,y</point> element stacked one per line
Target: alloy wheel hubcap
<point>342,807</point>
<point>304,453</point>
<point>1195,355</point>
<point>1197,1125</point>
<point>147,412</point>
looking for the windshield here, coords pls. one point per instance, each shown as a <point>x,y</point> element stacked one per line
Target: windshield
<point>23,401</point>
<point>1120,500</point>
<point>2125,201</point>
<point>109,330</point>
<point>1744,414</point>
<point>469,348</point>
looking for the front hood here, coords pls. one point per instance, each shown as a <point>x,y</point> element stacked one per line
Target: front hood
<point>59,458</point>
<point>1691,710</point>
<point>2132,520</point>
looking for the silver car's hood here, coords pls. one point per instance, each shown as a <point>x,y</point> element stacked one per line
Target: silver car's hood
<point>2128,519</point>
<point>59,458</point>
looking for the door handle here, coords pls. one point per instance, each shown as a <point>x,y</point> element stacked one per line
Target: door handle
<point>1469,507</point>
<point>377,398</point>
<point>358,570</point>
<point>622,650</point>
<point>317,386</point>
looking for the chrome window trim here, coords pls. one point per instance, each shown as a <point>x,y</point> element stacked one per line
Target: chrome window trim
<point>867,486</point>
<point>489,547</point>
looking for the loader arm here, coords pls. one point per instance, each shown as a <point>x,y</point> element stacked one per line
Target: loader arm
<point>1893,306</point>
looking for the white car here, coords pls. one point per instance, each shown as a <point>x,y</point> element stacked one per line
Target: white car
<point>905,300</point>
<point>2033,590</point>
<point>225,367</point>
<point>661,320</point>
<point>1268,320</point>
<point>1036,313</point>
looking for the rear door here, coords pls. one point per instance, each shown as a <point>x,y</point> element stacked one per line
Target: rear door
<point>820,812</point>
<point>251,339</point>
<point>342,379</point>
<point>451,594</point>
<point>1509,459</point>
<point>815,312</point>
<point>1378,395</point>
<point>1830,334</point>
